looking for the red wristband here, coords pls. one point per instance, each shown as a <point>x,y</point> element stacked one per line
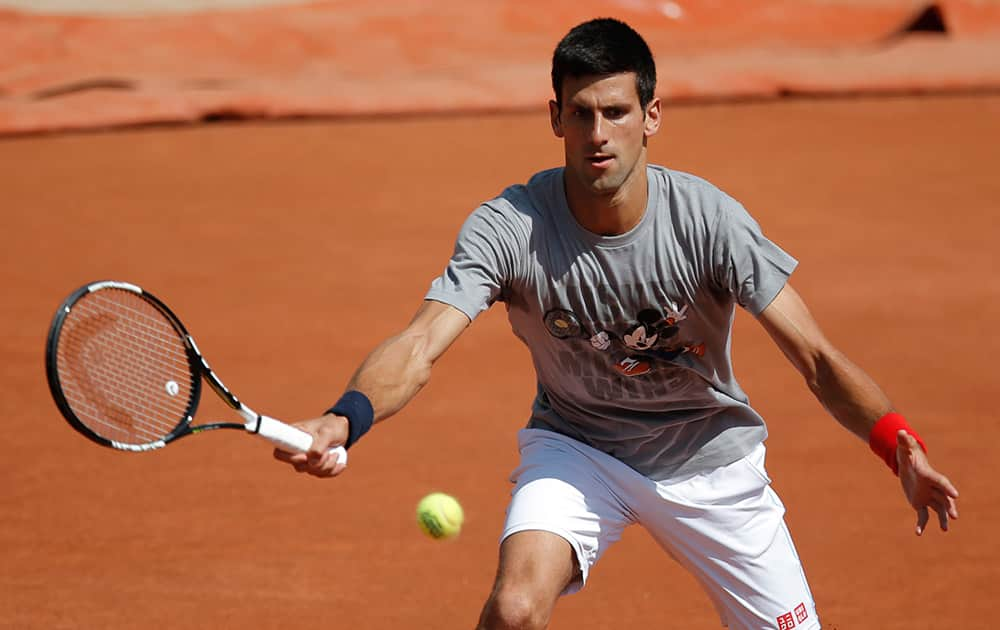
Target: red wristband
<point>882,439</point>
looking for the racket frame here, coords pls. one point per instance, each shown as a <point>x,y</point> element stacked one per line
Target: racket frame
<point>279,433</point>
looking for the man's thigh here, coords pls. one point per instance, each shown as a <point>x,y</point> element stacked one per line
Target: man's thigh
<point>559,490</point>
<point>727,528</point>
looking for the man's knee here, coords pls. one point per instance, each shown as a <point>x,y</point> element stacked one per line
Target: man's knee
<point>535,567</point>
<point>516,607</point>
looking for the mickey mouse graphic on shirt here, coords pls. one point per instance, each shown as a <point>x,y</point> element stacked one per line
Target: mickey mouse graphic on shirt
<point>650,339</point>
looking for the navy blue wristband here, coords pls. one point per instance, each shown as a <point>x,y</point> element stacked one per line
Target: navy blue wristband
<point>360,415</point>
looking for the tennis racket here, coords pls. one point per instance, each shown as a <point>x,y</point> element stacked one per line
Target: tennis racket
<point>125,373</point>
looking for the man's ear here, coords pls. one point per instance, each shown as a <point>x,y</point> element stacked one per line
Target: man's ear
<point>653,118</point>
<point>555,119</point>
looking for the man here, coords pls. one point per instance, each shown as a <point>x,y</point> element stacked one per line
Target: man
<point>622,277</point>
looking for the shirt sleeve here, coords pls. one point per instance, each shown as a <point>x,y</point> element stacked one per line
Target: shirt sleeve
<point>481,265</point>
<point>747,264</point>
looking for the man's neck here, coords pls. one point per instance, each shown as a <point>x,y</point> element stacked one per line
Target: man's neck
<point>612,214</point>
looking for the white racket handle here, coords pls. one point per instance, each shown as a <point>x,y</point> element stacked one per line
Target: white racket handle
<point>288,438</point>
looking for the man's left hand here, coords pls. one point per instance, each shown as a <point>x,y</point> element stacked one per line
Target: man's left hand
<point>925,488</point>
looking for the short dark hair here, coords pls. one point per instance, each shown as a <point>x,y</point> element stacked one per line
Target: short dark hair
<point>604,46</point>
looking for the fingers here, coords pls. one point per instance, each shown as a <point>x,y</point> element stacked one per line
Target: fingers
<point>321,465</point>
<point>299,461</point>
<point>290,458</point>
<point>946,510</point>
<point>322,460</point>
<point>925,488</point>
<point>328,432</point>
<point>938,495</point>
<point>942,513</point>
<point>922,518</point>
<point>941,497</point>
<point>952,508</point>
<point>336,465</point>
<point>945,484</point>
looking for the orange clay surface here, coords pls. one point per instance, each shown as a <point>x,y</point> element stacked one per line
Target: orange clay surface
<point>290,249</point>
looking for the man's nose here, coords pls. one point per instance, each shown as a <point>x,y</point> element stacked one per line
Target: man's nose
<point>598,130</point>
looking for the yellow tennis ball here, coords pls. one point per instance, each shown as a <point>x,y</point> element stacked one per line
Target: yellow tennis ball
<point>439,515</point>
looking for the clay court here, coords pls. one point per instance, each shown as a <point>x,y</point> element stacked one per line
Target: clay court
<point>291,247</point>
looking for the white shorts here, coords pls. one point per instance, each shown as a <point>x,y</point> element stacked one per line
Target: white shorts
<point>725,526</point>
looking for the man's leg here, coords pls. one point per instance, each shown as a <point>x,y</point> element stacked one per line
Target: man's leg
<point>535,568</point>
<point>727,527</point>
<point>562,517</point>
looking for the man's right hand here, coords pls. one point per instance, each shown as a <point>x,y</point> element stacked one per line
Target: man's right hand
<point>327,431</point>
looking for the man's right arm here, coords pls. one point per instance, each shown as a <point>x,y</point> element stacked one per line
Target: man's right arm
<point>400,366</point>
<point>390,377</point>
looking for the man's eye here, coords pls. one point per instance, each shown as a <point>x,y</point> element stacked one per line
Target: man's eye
<point>614,112</point>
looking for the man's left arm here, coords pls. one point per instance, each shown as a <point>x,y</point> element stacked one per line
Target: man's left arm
<point>859,404</point>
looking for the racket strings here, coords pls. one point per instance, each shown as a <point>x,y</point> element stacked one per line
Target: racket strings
<point>115,382</point>
<point>123,367</point>
<point>113,398</point>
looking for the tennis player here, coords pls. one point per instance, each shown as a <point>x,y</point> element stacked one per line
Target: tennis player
<point>622,278</point>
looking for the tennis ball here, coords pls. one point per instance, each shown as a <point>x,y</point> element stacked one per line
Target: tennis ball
<point>439,515</point>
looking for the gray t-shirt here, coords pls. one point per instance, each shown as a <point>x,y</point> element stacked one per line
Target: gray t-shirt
<point>630,335</point>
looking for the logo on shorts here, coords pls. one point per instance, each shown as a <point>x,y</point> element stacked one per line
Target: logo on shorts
<point>800,613</point>
<point>792,618</point>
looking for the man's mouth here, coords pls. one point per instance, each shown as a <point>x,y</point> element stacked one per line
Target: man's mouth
<point>600,160</point>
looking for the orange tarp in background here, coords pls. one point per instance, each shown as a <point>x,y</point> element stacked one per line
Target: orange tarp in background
<point>346,58</point>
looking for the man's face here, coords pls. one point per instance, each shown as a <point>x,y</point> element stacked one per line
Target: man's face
<point>604,129</point>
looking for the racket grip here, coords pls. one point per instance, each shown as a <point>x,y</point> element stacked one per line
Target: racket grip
<point>288,438</point>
